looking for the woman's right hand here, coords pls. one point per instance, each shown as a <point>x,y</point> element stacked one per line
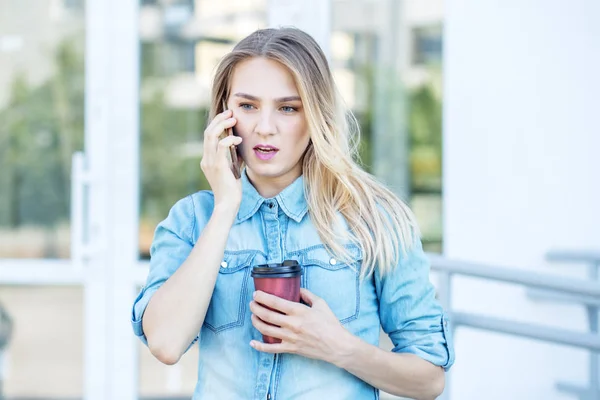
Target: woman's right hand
<point>226,188</point>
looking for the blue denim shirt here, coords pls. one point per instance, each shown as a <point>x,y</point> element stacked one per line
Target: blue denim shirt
<point>272,230</point>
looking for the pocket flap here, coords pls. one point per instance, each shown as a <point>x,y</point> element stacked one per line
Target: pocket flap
<point>234,261</point>
<point>318,255</point>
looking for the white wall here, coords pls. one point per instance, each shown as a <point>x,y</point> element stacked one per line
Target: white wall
<point>521,176</point>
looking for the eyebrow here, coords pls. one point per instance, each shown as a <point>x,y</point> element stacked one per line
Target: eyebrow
<point>279,100</point>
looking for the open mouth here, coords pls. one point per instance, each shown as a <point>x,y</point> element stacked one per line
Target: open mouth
<point>266,149</point>
<point>265,152</point>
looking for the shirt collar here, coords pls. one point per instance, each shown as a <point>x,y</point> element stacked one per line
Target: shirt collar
<point>291,200</point>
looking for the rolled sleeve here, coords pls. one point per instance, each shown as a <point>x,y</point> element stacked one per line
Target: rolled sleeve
<point>171,246</point>
<point>410,313</point>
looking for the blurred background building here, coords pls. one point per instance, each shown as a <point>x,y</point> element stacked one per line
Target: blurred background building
<point>126,87</point>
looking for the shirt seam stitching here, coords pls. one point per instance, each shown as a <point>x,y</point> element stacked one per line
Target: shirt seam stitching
<point>191,235</point>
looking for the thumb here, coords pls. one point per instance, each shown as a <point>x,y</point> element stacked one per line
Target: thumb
<point>309,297</point>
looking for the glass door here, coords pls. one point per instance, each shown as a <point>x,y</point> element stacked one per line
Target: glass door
<point>42,75</point>
<point>69,154</point>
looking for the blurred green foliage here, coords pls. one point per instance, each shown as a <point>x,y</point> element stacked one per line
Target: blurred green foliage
<point>425,135</point>
<point>41,127</point>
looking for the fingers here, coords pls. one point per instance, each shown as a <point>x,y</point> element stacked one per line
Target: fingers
<point>224,146</point>
<point>269,348</point>
<point>267,315</point>
<point>212,133</point>
<point>266,329</point>
<point>217,119</point>
<point>309,297</point>
<point>277,303</point>
<point>217,151</point>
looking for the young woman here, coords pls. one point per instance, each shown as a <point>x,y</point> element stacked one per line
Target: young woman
<point>301,196</point>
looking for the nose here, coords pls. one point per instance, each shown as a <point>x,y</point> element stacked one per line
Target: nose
<point>266,124</point>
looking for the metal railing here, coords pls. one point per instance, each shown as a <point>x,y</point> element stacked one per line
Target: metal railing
<point>552,287</point>
<point>592,261</point>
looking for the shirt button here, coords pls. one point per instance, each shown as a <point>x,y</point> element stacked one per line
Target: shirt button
<point>224,264</point>
<point>333,261</point>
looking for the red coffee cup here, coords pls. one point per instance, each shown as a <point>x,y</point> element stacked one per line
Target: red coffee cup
<point>281,280</point>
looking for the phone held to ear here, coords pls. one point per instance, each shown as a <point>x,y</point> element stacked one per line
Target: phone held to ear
<point>234,160</point>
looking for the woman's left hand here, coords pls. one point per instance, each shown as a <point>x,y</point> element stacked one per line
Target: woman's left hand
<point>312,331</point>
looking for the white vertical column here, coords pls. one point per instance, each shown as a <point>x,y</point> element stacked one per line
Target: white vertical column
<point>112,155</point>
<point>312,16</point>
<point>123,197</point>
<point>96,132</point>
<point>521,176</point>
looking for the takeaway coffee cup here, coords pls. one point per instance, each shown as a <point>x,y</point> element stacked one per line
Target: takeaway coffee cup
<point>281,280</point>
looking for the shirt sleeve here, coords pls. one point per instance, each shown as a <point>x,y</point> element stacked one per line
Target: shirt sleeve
<point>171,246</point>
<point>410,313</point>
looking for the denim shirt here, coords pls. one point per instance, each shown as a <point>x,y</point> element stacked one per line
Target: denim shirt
<point>272,230</point>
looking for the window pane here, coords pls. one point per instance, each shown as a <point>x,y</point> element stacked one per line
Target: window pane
<point>386,57</point>
<point>44,356</point>
<point>41,124</point>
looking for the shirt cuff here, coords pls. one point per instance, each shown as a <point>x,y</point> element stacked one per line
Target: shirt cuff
<point>438,348</point>
<point>139,306</point>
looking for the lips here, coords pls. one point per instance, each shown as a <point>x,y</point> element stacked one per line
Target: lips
<point>265,152</point>
<point>265,148</point>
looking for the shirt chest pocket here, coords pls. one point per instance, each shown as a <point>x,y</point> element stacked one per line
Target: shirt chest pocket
<point>229,302</point>
<point>335,281</point>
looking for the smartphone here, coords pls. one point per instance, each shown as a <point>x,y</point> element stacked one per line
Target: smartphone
<point>234,160</point>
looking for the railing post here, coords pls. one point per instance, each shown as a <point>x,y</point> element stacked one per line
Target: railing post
<point>592,312</point>
<point>592,391</point>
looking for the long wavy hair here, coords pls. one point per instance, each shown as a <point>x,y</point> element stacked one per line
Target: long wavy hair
<point>374,218</point>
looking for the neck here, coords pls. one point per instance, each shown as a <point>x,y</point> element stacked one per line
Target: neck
<point>269,187</point>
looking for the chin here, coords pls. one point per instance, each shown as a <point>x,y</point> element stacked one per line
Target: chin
<point>268,171</point>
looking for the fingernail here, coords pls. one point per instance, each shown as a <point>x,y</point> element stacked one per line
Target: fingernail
<point>254,295</point>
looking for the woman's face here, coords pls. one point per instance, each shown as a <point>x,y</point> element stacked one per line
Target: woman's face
<point>270,120</point>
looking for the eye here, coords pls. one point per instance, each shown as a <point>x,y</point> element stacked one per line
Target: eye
<point>288,109</point>
<point>246,106</point>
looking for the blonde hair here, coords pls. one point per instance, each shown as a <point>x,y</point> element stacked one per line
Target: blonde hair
<point>375,219</point>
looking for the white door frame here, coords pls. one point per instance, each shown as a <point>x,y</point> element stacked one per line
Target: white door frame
<point>112,160</point>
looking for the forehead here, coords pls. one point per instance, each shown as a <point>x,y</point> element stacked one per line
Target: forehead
<point>264,78</point>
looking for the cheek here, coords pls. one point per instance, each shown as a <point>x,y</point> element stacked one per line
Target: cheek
<point>301,136</point>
